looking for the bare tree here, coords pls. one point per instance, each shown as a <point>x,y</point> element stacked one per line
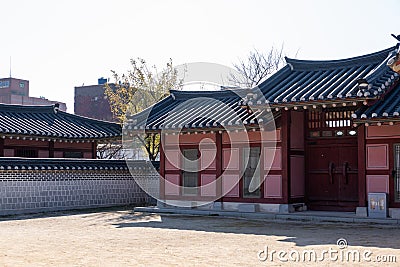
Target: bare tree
<point>111,150</point>
<point>257,67</point>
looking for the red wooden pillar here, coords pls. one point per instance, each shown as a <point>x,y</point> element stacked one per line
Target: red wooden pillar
<point>218,140</point>
<point>161,195</point>
<point>361,166</point>
<point>94,149</point>
<point>51,149</point>
<point>285,155</point>
<point>1,147</point>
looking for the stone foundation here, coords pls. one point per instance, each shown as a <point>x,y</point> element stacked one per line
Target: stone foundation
<point>233,206</point>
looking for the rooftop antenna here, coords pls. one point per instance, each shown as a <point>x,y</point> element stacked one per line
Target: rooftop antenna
<point>10,66</point>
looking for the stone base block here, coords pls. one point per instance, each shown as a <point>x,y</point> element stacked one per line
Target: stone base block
<point>394,213</point>
<point>361,212</point>
<point>248,207</point>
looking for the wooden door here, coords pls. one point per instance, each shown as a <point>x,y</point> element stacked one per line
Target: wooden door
<point>347,175</point>
<point>332,157</point>
<point>322,190</point>
<point>332,182</point>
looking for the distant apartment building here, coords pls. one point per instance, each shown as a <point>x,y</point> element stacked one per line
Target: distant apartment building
<point>16,91</point>
<point>90,101</point>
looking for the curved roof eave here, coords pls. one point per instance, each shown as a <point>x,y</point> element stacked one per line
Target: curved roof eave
<point>375,57</point>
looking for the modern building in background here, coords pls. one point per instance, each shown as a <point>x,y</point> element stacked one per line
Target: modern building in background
<point>16,91</point>
<point>91,102</point>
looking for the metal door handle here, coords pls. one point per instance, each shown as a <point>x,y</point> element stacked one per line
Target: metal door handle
<point>330,171</point>
<point>344,172</point>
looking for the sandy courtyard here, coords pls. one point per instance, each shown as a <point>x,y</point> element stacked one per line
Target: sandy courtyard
<point>124,238</point>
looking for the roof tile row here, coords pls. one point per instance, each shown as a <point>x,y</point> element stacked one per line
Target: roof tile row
<point>47,121</point>
<point>299,83</point>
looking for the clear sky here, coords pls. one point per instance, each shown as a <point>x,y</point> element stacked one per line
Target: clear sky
<point>57,45</point>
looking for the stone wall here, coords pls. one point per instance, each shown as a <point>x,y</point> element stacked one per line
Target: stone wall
<point>50,185</point>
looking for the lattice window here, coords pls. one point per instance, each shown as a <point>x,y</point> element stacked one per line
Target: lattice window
<point>73,154</point>
<point>189,175</point>
<point>26,153</point>
<point>329,119</point>
<point>252,171</point>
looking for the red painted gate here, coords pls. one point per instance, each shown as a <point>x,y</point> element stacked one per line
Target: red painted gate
<point>332,174</point>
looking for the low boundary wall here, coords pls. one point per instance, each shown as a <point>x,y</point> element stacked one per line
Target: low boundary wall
<point>37,185</point>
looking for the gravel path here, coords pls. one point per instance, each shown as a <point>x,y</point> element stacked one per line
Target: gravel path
<point>125,238</point>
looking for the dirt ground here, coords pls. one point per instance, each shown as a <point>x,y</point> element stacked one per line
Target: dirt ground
<point>125,238</point>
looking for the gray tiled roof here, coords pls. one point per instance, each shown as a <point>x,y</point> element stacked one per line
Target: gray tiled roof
<point>49,122</point>
<point>74,164</point>
<point>387,108</point>
<point>183,109</point>
<point>299,83</point>
<point>304,81</point>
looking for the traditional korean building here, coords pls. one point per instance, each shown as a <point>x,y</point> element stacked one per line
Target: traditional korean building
<point>333,127</point>
<point>47,132</point>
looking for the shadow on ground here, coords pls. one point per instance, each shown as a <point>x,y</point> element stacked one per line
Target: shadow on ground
<point>293,233</point>
<point>60,213</point>
<point>298,233</point>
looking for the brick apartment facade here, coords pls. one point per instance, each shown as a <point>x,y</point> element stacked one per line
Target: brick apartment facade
<point>16,91</point>
<point>91,102</point>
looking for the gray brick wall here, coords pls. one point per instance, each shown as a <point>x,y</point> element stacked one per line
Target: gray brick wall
<point>25,191</point>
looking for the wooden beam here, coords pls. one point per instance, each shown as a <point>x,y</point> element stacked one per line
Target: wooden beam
<point>218,140</point>
<point>161,195</point>
<point>362,201</point>
<point>285,155</point>
<point>1,147</point>
<point>94,149</point>
<point>51,149</point>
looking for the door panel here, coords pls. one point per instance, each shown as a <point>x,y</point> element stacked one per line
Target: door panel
<point>348,186</point>
<point>332,177</point>
<point>321,187</point>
